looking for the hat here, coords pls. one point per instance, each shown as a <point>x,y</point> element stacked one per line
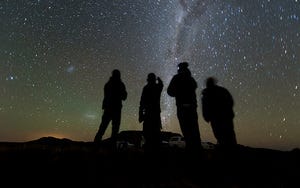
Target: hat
<point>183,65</point>
<point>151,77</point>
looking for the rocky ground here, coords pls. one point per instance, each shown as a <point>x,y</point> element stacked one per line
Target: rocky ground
<point>83,164</point>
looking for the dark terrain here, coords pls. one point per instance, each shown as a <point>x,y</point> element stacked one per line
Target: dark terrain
<point>65,163</point>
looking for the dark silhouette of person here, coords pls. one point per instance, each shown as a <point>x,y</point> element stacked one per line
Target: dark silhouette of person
<point>217,109</point>
<point>183,87</point>
<point>149,112</point>
<point>114,93</point>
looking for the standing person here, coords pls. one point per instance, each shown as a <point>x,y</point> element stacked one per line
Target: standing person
<point>217,109</point>
<point>183,87</point>
<point>149,112</point>
<point>114,93</point>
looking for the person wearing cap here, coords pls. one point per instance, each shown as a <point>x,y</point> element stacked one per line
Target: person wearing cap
<point>149,112</point>
<point>114,93</point>
<point>183,88</point>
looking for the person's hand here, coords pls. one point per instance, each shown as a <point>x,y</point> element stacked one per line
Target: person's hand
<point>141,120</point>
<point>141,116</point>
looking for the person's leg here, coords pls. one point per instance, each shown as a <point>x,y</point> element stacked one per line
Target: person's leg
<point>106,117</point>
<point>229,134</point>
<point>196,149</point>
<point>194,130</point>
<point>147,135</point>
<point>116,120</point>
<point>156,130</point>
<point>182,123</point>
<point>188,120</point>
<point>216,131</point>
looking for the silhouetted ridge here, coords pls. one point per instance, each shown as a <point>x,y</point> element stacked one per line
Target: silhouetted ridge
<point>52,140</point>
<point>61,161</point>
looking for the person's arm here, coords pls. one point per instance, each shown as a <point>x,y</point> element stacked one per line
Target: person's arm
<point>205,106</point>
<point>195,84</point>
<point>171,90</point>
<point>142,107</point>
<point>124,92</point>
<point>160,84</point>
<point>230,102</point>
<point>104,101</point>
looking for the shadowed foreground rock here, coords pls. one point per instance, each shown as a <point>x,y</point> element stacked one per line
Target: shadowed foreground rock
<point>68,163</point>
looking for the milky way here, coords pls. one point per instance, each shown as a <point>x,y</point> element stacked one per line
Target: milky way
<point>56,55</point>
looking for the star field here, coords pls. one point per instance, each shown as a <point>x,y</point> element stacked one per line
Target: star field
<point>56,56</point>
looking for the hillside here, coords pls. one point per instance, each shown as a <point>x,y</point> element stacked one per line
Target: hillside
<point>63,162</point>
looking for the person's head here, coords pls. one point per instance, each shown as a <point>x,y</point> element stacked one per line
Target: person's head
<point>183,67</point>
<point>151,78</point>
<point>211,81</point>
<point>116,74</point>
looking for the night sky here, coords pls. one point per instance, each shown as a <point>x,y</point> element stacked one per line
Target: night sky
<point>56,56</point>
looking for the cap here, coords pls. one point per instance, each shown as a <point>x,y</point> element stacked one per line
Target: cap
<point>183,65</point>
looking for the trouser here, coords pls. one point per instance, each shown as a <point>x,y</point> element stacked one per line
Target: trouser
<point>113,115</point>
<point>188,120</point>
<point>223,130</point>
<point>151,131</point>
